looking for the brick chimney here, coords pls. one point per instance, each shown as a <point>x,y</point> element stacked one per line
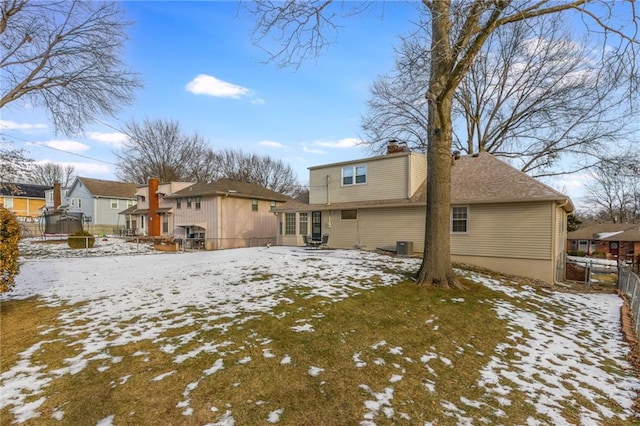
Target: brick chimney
<point>154,203</point>
<point>57,195</point>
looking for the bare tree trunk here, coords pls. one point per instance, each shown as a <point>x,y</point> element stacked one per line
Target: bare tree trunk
<point>436,269</point>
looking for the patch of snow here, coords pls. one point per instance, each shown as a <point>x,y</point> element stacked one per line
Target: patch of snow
<point>163,375</point>
<point>107,421</point>
<point>315,371</point>
<point>274,416</point>
<point>285,360</point>
<point>303,328</point>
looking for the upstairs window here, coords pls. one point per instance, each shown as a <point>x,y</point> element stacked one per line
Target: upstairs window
<point>114,203</point>
<point>178,203</point>
<point>254,205</point>
<point>79,203</point>
<point>354,175</point>
<point>272,204</point>
<point>189,201</point>
<point>459,220</point>
<point>198,203</point>
<point>8,202</point>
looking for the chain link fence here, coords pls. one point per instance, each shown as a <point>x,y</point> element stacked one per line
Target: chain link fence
<point>629,285</point>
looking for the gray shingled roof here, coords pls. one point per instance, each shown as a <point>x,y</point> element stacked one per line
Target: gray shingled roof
<point>24,190</point>
<point>232,187</point>
<point>623,232</point>
<point>109,188</point>
<point>474,180</point>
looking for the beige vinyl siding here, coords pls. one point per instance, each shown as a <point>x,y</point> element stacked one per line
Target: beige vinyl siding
<point>240,221</point>
<point>378,227</point>
<point>521,230</point>
<point>417,172</point>
<point>387,178</point>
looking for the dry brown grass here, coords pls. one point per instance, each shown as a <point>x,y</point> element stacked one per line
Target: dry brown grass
<point>415,321</point>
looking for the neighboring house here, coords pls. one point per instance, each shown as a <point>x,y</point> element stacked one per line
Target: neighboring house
<point>225,214</point>
<point>56,197</point>
<point>101,201</point>
<point>152,214</point>
<point>24,200</point>
<point>501,218</point>
<point>615,240</point>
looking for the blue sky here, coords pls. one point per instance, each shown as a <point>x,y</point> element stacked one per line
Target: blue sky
<point>199,67</point>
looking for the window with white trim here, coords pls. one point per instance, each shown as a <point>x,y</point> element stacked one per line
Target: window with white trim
<point>289,224</point>
<point>79,203</point>
<point>114,203</point>
<point>303,223</point>
<point>8,202</point>
<point>254,204</point>
<point>460,220</point>
<point>354,175</point>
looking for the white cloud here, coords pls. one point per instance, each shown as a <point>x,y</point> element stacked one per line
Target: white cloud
<point>12,125</point>
<point>313,151</point>
<point>209,85</point>
<point>66,145</point>
<point>258,101</point>
<point>340,143</point>
<point>115,139</point>
<point>271,144</point>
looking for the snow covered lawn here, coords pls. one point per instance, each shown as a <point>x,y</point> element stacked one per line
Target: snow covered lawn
<point>198,329</point>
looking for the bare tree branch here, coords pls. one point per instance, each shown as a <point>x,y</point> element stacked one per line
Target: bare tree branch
<point>64,56</point>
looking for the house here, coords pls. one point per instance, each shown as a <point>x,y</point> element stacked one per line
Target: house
<point>101,201</point>
<point>152,214</point>
<point>501,218</point>
<point>26,201</point>
<point>225,214</point>
<point>56,196</point>
<point>614,240</point>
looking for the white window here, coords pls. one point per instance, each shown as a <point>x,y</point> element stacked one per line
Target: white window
<point>79,203</point>
<point>289,224</point>
<point>354,175</point>
<point>8,202</point>
<point>50,197</point>
<point>459,220</point>
<point>303,224</point>
<point>114,203</point>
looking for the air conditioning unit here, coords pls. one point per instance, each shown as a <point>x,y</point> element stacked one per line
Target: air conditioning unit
<point>404,248</point>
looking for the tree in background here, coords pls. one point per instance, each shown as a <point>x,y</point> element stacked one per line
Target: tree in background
<point>13,163</point>
<point>160,148</point>
<point>614,192</point>
<point>49,173</point>
<point>64,56</point>
<point>10,231</point>
<point>532,96</point>
<point>458,31</point>
<point>263,170</point>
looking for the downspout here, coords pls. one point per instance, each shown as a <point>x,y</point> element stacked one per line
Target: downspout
<point>409,181</point>
<point>555,280</point>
